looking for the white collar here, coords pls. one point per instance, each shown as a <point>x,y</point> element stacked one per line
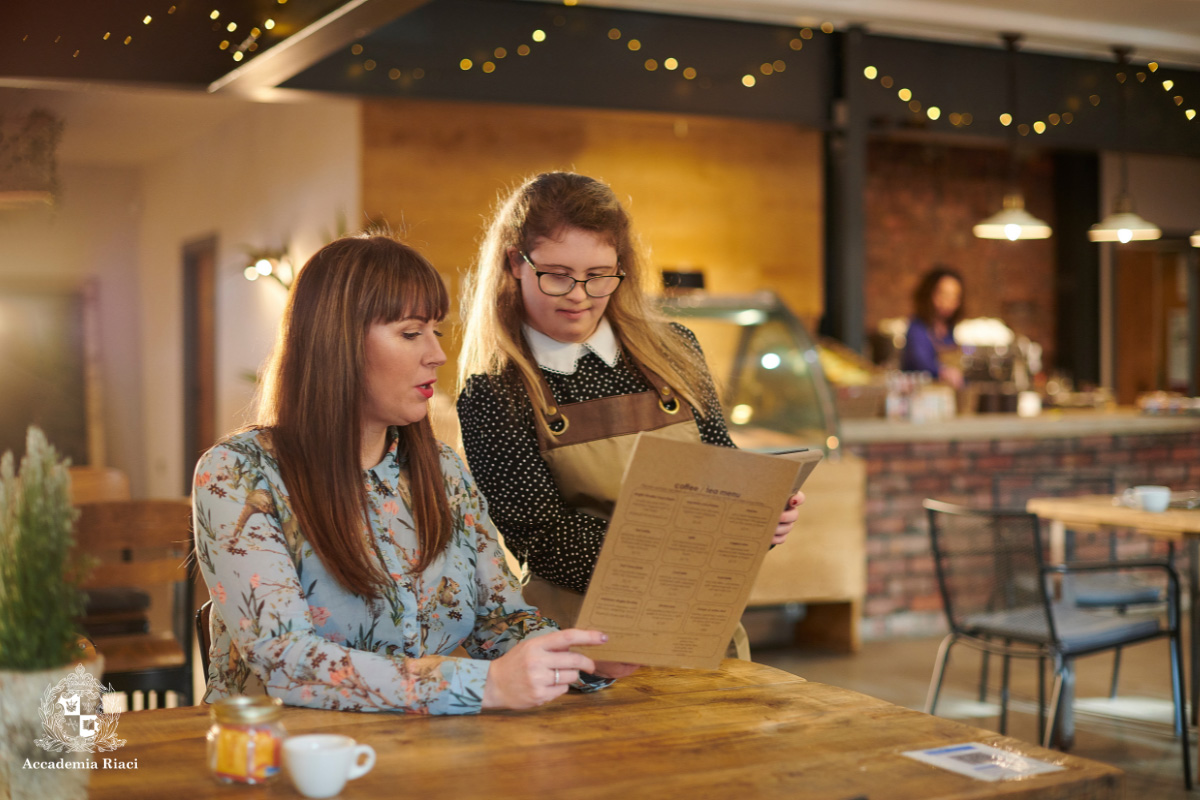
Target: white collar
<point>563,357</point>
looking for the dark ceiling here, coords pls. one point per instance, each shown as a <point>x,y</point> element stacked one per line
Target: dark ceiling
<point>165,42</point>
<point>513,51</point>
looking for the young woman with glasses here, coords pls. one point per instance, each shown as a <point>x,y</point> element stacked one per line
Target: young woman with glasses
<point>565,359</point>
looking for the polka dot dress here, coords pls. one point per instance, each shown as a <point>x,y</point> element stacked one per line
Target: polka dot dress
<point>559,543</point>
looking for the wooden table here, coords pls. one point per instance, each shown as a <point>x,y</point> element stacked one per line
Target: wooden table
<point>1172,524</point>
<point>744,731</point>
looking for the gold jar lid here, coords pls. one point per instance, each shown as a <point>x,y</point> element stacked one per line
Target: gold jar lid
<point>241,710</point>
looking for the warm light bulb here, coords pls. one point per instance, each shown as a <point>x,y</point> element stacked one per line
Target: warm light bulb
<point>539,36</point>
<point>214,14</point>
<point>231,27</point>
<point>262,266</point>
<point>269,24</point>
<point>146,20</point>
<point>1012,232</point>
<point>1167,85</point>
<point>870,73</point>
<point>1124,235</point>
<point>748,81</point>
<point>904,94</point>
<point>1006,119</point>
<point>771,360</point>
<point>250,273</point>
<point>670,63</point>
<point>933,112</point>
<point>465,64</point>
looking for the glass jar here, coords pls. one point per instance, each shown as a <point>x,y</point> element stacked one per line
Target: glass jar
<point>245,742</point>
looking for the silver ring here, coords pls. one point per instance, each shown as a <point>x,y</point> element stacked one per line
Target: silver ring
<point>556,677</point>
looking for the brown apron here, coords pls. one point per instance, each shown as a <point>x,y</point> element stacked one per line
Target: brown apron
<point>588,448</point>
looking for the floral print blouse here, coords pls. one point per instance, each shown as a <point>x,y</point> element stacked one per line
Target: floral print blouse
<point>281,625</point>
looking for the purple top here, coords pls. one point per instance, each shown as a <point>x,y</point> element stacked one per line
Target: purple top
<point>921,349</point>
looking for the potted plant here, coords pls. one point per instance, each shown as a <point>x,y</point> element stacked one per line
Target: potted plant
<point>40,608</point>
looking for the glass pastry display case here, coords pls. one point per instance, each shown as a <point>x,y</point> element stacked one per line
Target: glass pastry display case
<point>767,367</point>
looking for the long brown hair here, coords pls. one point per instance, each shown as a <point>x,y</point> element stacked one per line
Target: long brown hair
<point>543,207</point>
<point>312,395</point>
<point>923,296</point>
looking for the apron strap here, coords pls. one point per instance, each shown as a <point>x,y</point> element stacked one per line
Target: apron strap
<point>668,402</point>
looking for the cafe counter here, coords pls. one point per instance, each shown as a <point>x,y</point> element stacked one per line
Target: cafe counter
<point>976,460</point>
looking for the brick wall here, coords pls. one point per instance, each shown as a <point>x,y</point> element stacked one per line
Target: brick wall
<point>902,593</point>
<point>921,202</point>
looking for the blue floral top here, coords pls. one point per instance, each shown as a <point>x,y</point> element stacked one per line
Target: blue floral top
<point>281,625</point>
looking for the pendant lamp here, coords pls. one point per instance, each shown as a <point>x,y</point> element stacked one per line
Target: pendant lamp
<point>1195,240</point>
<point>1012,222</point>
<point>1123,224</point>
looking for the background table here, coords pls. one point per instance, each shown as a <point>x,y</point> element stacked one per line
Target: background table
<point>744,731</point>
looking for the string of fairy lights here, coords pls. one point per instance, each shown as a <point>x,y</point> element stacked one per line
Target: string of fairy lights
<point>219,23</point>
<point>539,35</point>
<point>653,60</point>
<point>1039,126</point>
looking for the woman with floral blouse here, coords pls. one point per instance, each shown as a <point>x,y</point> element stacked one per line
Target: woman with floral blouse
<point>347,552</point>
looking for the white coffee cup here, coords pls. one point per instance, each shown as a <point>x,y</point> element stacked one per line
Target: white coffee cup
<point>320,764</point>
<point>1148,498</point>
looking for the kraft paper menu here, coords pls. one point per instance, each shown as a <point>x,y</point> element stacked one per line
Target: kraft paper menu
<point>687,536</point>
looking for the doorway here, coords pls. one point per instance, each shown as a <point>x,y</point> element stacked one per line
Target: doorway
<point>1156,318</point>
<point>199,353</point>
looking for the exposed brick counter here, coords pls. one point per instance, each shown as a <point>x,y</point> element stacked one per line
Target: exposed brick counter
<point>957,460</point>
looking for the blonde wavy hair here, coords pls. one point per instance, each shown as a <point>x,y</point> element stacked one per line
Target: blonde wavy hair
<point>545,206</point>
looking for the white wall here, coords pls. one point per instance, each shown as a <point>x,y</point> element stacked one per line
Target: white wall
<point>279,173</point>
<point>92,236</point>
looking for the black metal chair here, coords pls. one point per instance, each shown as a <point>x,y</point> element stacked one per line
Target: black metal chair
<point>998,597</point>
<point>1013,489</point>
<point>204,634</point>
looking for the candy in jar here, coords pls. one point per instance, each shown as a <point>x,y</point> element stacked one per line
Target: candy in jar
<point>245,741</point>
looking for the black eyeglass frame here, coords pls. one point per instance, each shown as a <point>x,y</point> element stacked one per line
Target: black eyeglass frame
<point>620,276</point>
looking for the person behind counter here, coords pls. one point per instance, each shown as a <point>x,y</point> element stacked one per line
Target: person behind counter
<point>346,551</point>
<point>939,307</point>
<point>565,360</point>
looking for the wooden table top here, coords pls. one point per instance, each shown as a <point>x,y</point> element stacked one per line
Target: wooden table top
<point>1100,509</point>
<point>744,731</point>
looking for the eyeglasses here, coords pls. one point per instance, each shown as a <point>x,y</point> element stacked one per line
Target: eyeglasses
<point>556,284</point>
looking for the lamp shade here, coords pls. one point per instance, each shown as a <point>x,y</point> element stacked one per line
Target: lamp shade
<point>1195,240</point>
<point>1012,222</point>
<point>1123,225</point>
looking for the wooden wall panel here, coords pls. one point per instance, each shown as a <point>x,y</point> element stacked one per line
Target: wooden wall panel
<point>740,199</point>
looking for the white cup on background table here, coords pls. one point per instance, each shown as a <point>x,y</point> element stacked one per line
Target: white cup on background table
<point>1148,498</point>
<point>320,764</point>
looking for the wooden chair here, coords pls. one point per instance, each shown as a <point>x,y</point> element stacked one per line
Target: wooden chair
<point>143,545</point>
<point>97,484</point>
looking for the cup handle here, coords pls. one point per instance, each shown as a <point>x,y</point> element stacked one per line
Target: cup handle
<point>1129,500</point>
<point>357,770</point>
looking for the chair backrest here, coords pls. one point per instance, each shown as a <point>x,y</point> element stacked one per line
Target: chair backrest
<point>140,543</point>
<point>96,484</point>
<point>204,633</point>
<point>989,562</point>
<point>1013,489</point>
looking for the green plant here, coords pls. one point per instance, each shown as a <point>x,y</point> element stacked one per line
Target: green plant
<point>40,571</point>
